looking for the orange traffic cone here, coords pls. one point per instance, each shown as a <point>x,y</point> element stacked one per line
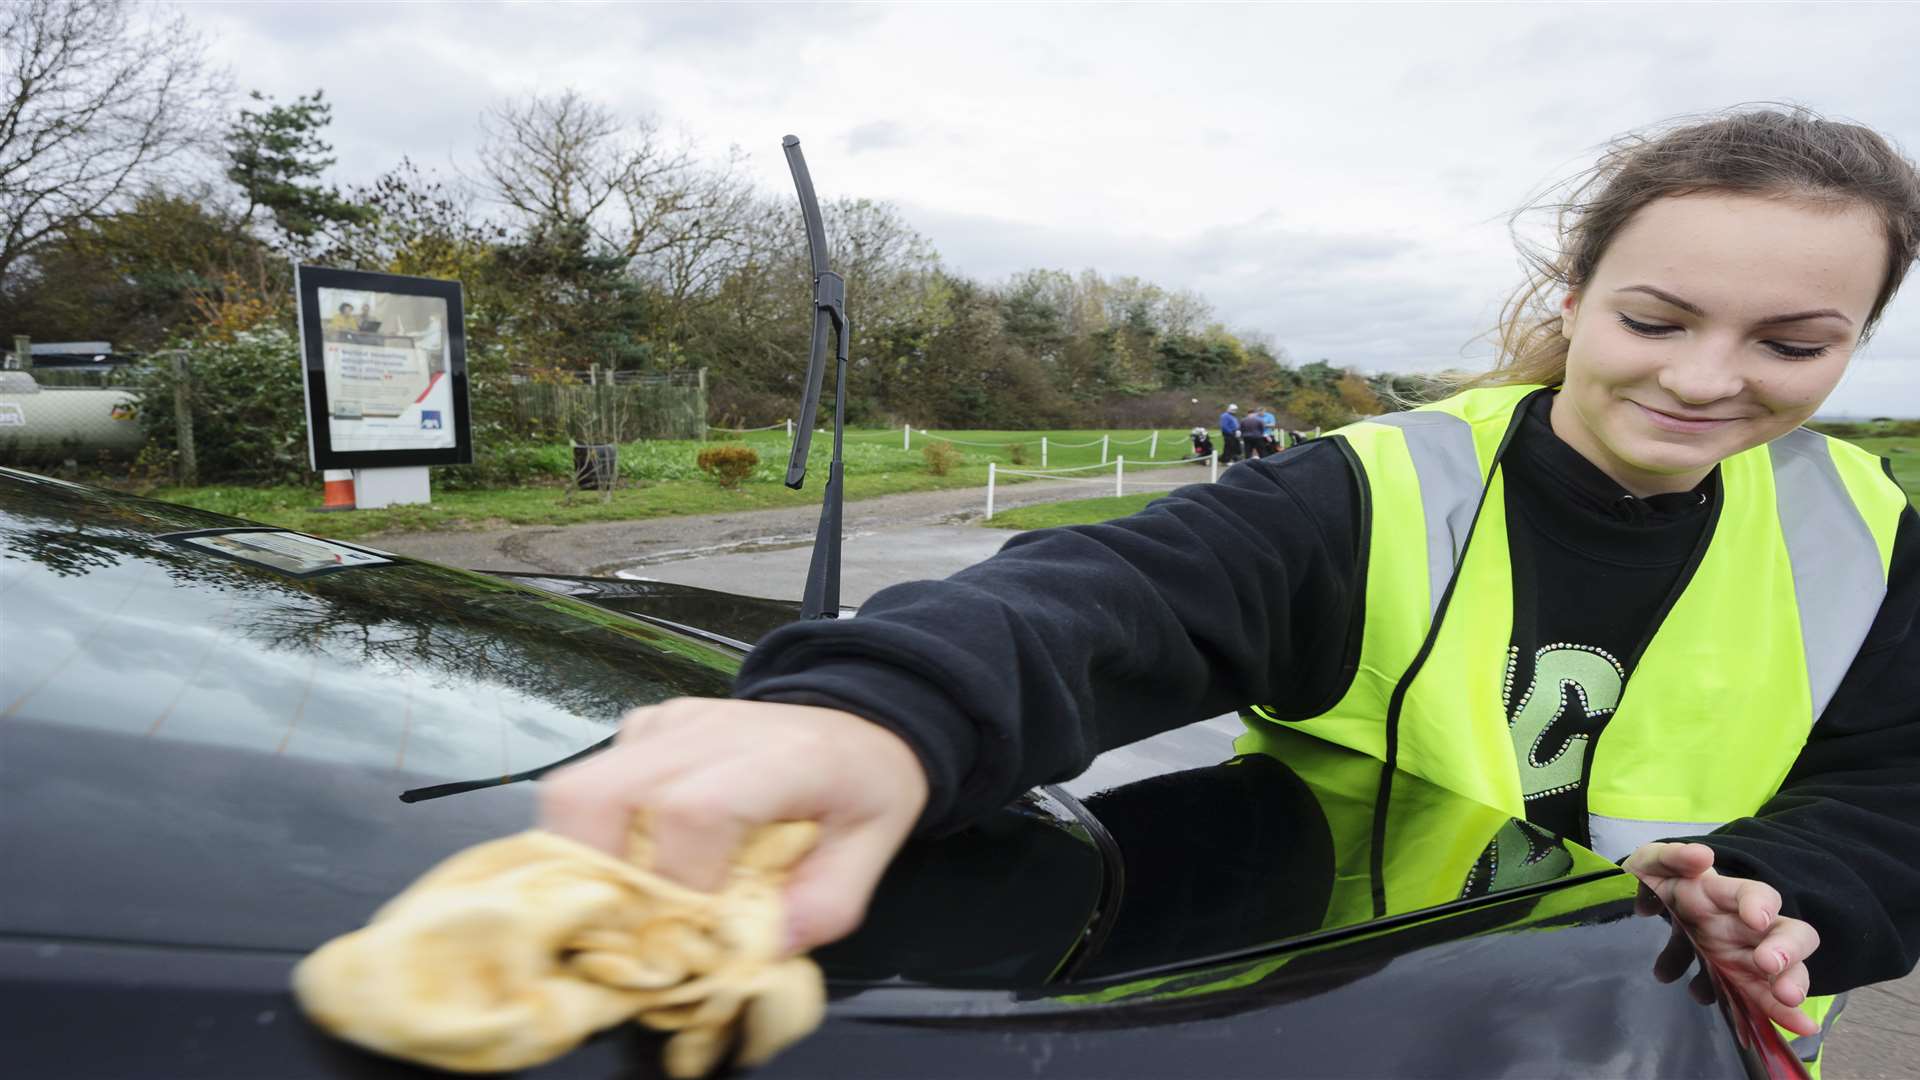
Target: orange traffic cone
<point>339,488</point>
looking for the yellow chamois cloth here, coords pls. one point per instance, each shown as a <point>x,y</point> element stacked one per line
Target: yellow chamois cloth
<point>512,952</point>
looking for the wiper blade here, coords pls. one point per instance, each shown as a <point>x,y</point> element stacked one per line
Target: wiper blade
<point>822,596</point>
<point>441,791</point>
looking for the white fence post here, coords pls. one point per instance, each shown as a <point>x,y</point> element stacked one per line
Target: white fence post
<point>1043,451</point>
<point>1120,476</point>
<point>1153,451</point>
<point>1103,449</point>
<point>906,437</point>
<point>1213,466</point>
<point>991,466</point>
<point>789,429</point>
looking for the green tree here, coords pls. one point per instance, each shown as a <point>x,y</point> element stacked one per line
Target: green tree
<point>138,276</point>
<point>1321,408</point>
<point>276,156</point>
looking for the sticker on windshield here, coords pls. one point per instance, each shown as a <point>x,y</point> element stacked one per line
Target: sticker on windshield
<point>290,553</point>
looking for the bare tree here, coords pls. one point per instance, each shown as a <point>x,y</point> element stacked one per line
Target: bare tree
<point>99,98</point>
<point>564,160</point>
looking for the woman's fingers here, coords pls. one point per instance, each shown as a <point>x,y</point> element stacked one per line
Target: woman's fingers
<point>1667,860</point>
<point>706,773</point>
<point>1788,943</point>
<point>1788,1016</point>
<point>827,894</point>
<point>1756,903</point>
<point>593,801</point>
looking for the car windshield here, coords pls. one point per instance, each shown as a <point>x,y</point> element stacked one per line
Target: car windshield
<point>165,623</point>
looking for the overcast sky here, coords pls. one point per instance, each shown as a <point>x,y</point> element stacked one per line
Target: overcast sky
<point>1335,176</point>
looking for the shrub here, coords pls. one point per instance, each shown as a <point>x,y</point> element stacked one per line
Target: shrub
<point>728,465</point>
<point>1017,453</point>
<point>941,456</point>
<point>249,411</point>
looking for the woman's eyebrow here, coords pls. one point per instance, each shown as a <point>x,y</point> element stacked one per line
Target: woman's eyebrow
<point>1695,309</point>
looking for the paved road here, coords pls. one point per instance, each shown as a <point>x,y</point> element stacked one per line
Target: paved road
<point>904,537</point>
<point>607,547</point>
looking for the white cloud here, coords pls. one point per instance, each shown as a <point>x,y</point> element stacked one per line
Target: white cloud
<point>1335,176</point>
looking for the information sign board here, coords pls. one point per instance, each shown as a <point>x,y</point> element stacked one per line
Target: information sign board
<point>386,369</point>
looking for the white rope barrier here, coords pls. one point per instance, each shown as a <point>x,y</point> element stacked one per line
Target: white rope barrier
<point>1054,472</point>
<point>1119,464</point>
<point>788,424</point>
<point>1063,479</point>
<point>973,442</point>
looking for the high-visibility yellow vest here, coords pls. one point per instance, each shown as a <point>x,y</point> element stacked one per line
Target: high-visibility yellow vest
<point>1730,684</point>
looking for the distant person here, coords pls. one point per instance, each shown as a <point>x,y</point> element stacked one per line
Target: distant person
<point>1202,443</point>
<point>1253,436</point>
<point>1275,437</point>
<point>1230,435</point>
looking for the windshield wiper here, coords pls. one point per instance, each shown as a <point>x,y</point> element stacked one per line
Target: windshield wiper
<point>441,791</point>
<point>822,597</point>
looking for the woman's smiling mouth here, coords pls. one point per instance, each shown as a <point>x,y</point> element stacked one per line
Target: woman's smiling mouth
<point>1681,423</point>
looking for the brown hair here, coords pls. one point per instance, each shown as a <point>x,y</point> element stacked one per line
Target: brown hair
<point>1784,150</point>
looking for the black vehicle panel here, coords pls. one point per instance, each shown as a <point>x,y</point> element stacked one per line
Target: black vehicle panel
<point>1529,987</point>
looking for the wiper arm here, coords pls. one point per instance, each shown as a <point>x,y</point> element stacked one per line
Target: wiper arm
<point>822,597</point>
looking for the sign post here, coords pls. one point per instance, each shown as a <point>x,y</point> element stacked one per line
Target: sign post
<point>386,379</point>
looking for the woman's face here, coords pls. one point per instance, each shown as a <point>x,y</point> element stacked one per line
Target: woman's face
<point>1712,324</point>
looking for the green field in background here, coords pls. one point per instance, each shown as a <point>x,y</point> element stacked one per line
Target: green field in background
<point>660,478</point>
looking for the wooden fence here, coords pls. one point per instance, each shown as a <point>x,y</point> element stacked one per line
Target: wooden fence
<point>651,407</point>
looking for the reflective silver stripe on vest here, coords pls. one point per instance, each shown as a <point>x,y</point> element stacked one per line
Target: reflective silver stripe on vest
<point>1837,580</point>
<point>1450,483</point>
<point>1615,838</point>
<point>1807,1047</point>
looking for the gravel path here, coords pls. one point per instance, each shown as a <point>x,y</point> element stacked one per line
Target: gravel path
<point>602,547</point>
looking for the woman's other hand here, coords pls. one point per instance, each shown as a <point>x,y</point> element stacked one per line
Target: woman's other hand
<point>707,771</point>
<point>1736,926</point>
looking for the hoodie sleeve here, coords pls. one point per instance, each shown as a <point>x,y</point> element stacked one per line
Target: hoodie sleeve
<point>1019,670</point>
<point>1841,839</point>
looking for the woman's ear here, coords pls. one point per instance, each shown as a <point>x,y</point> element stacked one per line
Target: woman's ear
<point>1569,311</point>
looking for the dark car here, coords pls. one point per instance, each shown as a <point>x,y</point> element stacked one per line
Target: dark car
<point>222,744</point>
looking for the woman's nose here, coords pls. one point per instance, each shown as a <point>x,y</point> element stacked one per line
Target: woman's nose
<point>1703,373</point>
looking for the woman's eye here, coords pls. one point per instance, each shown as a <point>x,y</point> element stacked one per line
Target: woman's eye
<point>1796,352</point>
<point>1645,329</point>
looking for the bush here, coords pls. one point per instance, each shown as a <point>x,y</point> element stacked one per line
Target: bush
<point>249,409</point>
<point>728,465</point>
<point>941,456</point>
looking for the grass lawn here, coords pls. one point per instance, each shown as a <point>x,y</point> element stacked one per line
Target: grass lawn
<point>1071,512</point>
<point>1902,450</point>
<point>1904,453</point>
<point>660,478</point>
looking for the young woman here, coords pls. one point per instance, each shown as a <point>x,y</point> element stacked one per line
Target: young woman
<point>1612,587</point>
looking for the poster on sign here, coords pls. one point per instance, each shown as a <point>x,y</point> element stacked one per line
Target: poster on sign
<point>386,370</point>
